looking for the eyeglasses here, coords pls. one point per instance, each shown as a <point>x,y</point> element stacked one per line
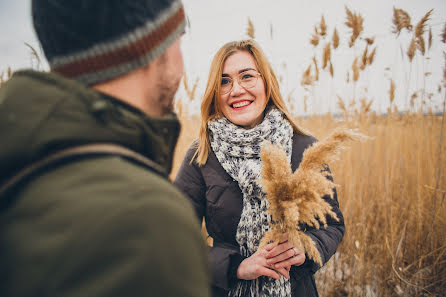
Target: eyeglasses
<point>246,79</point>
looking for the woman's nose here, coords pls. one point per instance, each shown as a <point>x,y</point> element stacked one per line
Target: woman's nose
<point>237,88</point>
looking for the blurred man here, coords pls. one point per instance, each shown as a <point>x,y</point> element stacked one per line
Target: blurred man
<point>86,208</point>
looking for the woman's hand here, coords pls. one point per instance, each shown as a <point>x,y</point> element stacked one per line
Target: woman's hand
<point>256,265</point>
<point>284,255</point>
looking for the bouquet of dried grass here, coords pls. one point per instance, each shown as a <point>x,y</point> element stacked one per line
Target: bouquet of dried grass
<point>297,198</point>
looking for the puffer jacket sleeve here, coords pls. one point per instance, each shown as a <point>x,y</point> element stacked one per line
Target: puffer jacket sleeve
<point>190,181</point>
<point>327,239</point>
<point>224,259</point>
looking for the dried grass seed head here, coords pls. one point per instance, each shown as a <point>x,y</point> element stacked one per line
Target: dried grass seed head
<point>401,20</point>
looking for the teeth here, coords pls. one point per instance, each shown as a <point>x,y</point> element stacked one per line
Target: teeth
<point>240,104</point>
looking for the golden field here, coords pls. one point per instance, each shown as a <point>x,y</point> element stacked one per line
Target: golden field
<point>392,187</point>
<point>392,191</point>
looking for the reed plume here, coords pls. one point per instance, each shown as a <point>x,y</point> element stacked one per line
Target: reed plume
<point>342,106</point>
<point>371,57</point>
<point>420,28</point>
<point>326,55</point>
<point>307,79</point>
<point>355,70</point>
<point>364,57</point>
<point>335,39</point>
<point>315,37</point>
<point>323,27</point>
<point>354,22</point>
<point>411,49</point>
<point>429,38</point>
<point>250,31</point>
<point>401,20</point>
<point>392,91</point>
<point>297,199</point>
<point>370,40</point>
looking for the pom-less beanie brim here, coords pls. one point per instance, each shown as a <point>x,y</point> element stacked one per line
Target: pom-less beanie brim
<point>109,59</point>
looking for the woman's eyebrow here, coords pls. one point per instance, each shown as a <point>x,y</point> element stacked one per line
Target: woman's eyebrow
<point>240,71</point>
<point>246,69</point>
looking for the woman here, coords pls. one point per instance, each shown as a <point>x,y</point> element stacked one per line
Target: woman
<point>242,108</point>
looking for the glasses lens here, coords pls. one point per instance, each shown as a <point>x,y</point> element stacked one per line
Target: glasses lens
<point>248,79</point>
<point>226,85</point>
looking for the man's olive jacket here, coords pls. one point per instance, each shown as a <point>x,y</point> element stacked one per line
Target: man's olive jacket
<point>96,226</point>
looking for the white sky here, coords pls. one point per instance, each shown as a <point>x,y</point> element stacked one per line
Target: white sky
<point>213,23</point>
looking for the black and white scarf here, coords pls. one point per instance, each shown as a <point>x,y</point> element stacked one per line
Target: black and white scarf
<point>238,151</point>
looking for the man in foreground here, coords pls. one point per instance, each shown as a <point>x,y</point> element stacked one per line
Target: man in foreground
<point>102,220</point>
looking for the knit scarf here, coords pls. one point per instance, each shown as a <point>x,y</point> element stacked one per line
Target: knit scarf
<point>238,151</point>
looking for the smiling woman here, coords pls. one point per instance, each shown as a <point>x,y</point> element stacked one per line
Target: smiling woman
<point>242,95</point>
<point>242,109</point>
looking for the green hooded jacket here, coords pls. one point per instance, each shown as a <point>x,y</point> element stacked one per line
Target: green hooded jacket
<point>98,226</point>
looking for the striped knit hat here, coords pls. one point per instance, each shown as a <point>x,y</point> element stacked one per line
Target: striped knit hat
<point>97,40</point>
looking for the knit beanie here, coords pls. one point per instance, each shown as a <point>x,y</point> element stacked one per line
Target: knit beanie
<point>97,40</point>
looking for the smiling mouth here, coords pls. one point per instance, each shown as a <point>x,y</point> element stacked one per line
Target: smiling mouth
<point>241,104</point>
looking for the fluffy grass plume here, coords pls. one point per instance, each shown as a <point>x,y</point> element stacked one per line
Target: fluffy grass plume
<point>297,198</point>
<point>401,20</point>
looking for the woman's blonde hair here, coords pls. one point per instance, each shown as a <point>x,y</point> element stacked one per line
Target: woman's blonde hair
<point>209,106</point>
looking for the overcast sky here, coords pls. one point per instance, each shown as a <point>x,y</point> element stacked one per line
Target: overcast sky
<point>283,28</point>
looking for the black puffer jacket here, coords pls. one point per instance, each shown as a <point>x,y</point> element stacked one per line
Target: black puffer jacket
<point>217,198</point>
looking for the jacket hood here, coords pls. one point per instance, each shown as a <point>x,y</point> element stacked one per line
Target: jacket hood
<point>41,113</point>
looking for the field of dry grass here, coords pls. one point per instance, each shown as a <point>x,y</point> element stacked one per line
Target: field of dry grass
<point>392,187</point>
<point>392,191</point>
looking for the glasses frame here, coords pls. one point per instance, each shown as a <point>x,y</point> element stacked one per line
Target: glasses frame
<point>238,78</point>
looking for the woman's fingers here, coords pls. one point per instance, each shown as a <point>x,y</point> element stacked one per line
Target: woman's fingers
<point>297,260</point>
<point>289,253</point>
<point>283,271</point>
<point>279,249</point>
<point>268,272</point>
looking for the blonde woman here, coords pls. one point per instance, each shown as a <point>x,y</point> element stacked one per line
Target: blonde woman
<point>242,107</point>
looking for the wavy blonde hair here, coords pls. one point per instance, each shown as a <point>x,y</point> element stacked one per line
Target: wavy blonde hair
<point>209,106</point>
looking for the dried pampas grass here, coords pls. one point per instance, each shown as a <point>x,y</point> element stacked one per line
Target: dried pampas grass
<point>297,198</point>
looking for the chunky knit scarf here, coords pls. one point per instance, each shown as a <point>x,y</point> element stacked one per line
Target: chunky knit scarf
<point>238,151</point>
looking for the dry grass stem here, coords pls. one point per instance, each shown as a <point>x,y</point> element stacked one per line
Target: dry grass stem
<point>354,22</point>
<point>298,198</point>
<point>316,69</point>
<point>190,91</point>
<point>371,57</point>
<point>341,105</point>
<point>401,20</point>
<point>355,69</point>
<point>365,106</point>
<point>335,39</point>
<point>331,70</point>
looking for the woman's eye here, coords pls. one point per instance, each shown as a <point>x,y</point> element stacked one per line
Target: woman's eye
<point>247,76</point>
<point>225,81</point>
